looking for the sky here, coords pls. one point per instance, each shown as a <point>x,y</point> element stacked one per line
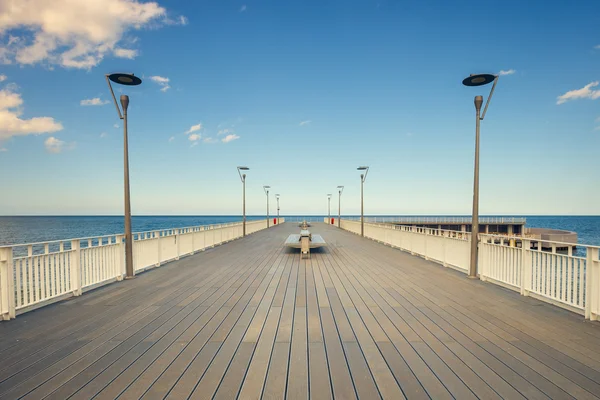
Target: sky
<point>302,93</point>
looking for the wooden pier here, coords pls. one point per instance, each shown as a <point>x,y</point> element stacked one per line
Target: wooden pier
<point>250,319</point>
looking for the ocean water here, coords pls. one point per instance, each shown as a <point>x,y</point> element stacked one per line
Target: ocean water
<point>31,229</point>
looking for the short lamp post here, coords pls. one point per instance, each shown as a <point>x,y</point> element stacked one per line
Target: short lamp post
<point>127,80</point>
<point>340,190</point>
<point>477,80</point>
<point>266,189</point>
<point>277,197</point>
<point>363,178</point>
<point>243,179</point>
<point>329,208</point>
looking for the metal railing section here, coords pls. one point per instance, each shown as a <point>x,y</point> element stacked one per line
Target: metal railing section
<point>563,279</point>
<point>441,220</point>
<point>36,274</point>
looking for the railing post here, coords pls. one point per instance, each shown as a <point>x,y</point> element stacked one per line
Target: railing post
<point>176,234</point>
<point>7,288</point>
<point>592,284</point>
<point>76,267</point>
<point>525,266</point>
<point>121,270</point>
<point>158,249</point>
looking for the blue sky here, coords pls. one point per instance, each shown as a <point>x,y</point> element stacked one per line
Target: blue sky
<point>304,92</point>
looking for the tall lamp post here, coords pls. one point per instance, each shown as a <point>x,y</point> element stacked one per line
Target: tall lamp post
<point>363,178</point>
<point>243,179</point>
<point>266,189</point>
<point>329,208</point>
<point>127,80</point>
<point>477,80</point>
<point>340,190</point>
<point>277,197</point>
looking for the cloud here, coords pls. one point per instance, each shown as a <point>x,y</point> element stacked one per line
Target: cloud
<point>11,123</point>
<point>74,34</point>
<point>96,101</point>
<point>55,146</point>
<point>116,126</point>
<point>103,135</point>
<point>209,140</point>
<point>243,8</point>
<point>3,149</point>
<point>230,138</point>
<point>125,53</point>
<point>597,47</point>
<point>171,139</point>
<point>194,128</point>
<point>225,131</point>
<point>304,123</point>
<point>162,81</point>
<point>585,92</point>
<point>2,78</point>
<point>507,72</point>
<point>194,137</point>
<point>183,20</point>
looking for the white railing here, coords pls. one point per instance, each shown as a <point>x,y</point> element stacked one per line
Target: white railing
<point>565,280</point>
<point>441,220</point>
<point>36,274</point>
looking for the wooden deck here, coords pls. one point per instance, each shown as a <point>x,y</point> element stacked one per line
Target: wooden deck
<point>250,319</point>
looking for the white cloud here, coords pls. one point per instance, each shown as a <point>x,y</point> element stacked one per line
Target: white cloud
<point>507,72</point>
<point>162,81</point>
<point>597,47</point>
<point>194,137</point>
<point>230,138</point>
<point>55,146</point>
<point>171,139</point>
<point>585,92</point>
<point>243,8</point>
<point>225,131</point>
<point>73,34</point>
<point>2,78</point>
<point>304,123</point>
<point>125,53</point>
<point>183,20</point>
<point>11,123</point>
<point>116,126</point>
<point>194,128</point>
<point>209,140</point>
<point>96,101</point>
<point>103,135</point>
<point>194,144</point>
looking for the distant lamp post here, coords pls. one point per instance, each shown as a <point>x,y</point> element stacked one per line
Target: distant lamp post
<point>277,197</point>
<point>127,80</point>
<point>340,190</point>
<point>477,80</point>
<point>363,178</point>
<point>243,179</point>
<point>329,208</point>
<point>266,189</point>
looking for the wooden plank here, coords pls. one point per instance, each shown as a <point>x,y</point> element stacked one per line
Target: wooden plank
<point>297,384</point>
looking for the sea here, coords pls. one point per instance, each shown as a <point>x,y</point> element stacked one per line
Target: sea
<point>33,229</point>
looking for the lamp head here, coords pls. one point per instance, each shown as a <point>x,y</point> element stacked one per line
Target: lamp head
<point>243,168</point>
<point>125,79</point>
<point>478,79</point>
<point>362,168</point>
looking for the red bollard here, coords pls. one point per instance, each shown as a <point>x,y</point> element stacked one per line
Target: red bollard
<point>274,221</point>
<point>332,221</point>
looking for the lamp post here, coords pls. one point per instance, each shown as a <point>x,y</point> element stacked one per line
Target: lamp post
<point>340,190</point>
<point>243,179</point>
<point>277,197</point>
<point>363,178</point>
<point>127,80</point>
<point>266,189</point>
<point>329,208</point>
<point>477,80</point>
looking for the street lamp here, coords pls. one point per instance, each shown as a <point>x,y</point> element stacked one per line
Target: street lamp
<point>243,179</point>
<point>329,208</point>
<point>127,80</point>
<point>340,190</point>
<point>266,189</point>
<point>363,178</point>
<point>477,80</point>
<point>277,197</point>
